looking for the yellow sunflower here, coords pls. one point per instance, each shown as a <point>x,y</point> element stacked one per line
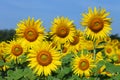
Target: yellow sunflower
<point>117,46</point>
<point>90,43</point>
<point>99,57</point>
<point>2,47</point>
<point>65,50</point>
<point>114,42</point>
<point>43,60</point>
<point>30,31</point>
<point>82,65</point>
<point>109,51</point>
<point>103,72</point>
<point>97,24</point>
<point>14,49</point>
<point>77,42</point>
<point>62,30</point>
<point>2,53</point>
<point>116,57</point>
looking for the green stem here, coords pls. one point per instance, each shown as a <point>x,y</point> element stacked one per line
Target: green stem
<point>94,51</point>
<point>16,64</point>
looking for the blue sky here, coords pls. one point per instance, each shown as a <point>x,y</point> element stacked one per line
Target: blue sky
<point>11,12</point>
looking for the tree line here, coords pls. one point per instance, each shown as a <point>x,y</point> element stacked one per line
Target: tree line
<point>6,35</point>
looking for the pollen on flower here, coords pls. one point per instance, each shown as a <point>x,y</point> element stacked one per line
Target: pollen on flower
<point>44,58</point>
<point>75,41</point>
<point>96,25</point>
<point>84,64</point>
<point>62,31</point>
<point>17,50</point>
<point>31,34</point>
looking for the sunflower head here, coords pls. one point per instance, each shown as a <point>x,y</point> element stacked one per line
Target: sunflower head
<point>15,49</point>
<point>82,65</point>
<point>2,47</point>
<point>30,31</point>
<point>62,29</point>
<point>97,23</point>
<point>43,60</point>
<point>78,40</point>
<point>109,50</point>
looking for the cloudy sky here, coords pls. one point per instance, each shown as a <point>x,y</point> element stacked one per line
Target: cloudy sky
<point>11,12</point>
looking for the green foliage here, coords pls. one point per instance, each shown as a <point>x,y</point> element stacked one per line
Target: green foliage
<point>6,35</point>
<point>112,68</point>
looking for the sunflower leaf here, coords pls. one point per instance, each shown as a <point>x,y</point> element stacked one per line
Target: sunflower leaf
<point>112,68</point>
<point>28,73</point>
<point>1,62</point>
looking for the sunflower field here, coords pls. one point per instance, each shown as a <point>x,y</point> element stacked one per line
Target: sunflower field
<point>64,52</point>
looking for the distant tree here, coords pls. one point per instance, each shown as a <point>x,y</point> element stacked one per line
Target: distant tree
<point>6,34</point>
<point>115,36</point>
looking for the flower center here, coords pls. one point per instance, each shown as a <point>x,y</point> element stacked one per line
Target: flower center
<point>44,58</point>
<point>96,25</point>
<point>76,40</point>
<point>109,50</point>
<point>17,50</point>
<point>83,64</point>
<point>64,50</point>
<point>30,34</point>
<point>62,31</point>
<point>118,46</point>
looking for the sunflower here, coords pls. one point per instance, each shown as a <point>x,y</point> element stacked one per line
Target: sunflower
<point>65,50</point>
<point>82,65</point>
<point>90,43</point>
<point>77,42</point>
<point>14,49</point>
<point>30,31</point>
<point>62,30</point>
<point>117,46</point>
<point>2,52</point>
<point>99,57</point>
<point>116,57</point>
<point>109,50</point>
<point>2,48</point>
<point>97,24</point>
<point>103,72</point>
<point>43,60</point>
<point>114,42</point>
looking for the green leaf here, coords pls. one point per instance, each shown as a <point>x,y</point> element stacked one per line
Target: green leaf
<point>52,78</point>
<point>75,77</point>
<point>28,73</point>
<point>116,77</point>
<point>63,72</point>
<point>112,68</point>
<point>23,59</point>
<point>1,62</point>
<point>98,66</point>
<point>1,78</point>
<point>14,75</point>
<point>66,60</point>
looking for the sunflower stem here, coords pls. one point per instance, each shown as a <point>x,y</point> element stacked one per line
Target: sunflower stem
<point>16,64</point>
<point>94,51</point>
